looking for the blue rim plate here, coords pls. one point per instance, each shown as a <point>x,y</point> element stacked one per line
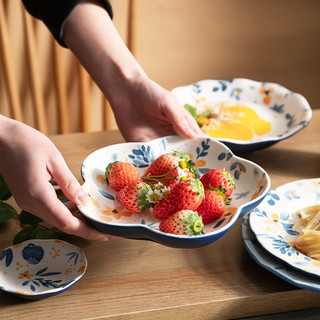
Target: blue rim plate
<point>287,112</point>
<point>274,265</point>
<point>107,215</point>
<point>37,269</point>
<point>273,219</point>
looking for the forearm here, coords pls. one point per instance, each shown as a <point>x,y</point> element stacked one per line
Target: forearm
<point>91,35</point>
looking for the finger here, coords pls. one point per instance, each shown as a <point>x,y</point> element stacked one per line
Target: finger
<point>184,124</point>
<point>54,212</point>
<point>68,183</point>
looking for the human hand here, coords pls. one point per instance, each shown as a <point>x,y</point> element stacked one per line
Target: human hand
<point>28,161</point>
<point>145,111</point>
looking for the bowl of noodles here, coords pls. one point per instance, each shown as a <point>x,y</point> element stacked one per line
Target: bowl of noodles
<point>245,115</point>
<point>286,224</point>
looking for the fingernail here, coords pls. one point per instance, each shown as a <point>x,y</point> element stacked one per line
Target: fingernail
<point>83,198</point>
<point>103,237</point>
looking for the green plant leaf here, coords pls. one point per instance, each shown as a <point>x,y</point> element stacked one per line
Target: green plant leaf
<point>7,212</point>
<point>29,218</point>
<point>44,233</point>
<point>5,193</point>
<point>26,234</point>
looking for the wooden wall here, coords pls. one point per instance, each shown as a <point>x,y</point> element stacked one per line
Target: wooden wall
<point>178,42</point>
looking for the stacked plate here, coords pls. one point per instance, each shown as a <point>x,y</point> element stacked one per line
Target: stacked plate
<point>269,238</point>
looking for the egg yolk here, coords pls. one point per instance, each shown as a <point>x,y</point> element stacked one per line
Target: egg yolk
<point>243,125</point>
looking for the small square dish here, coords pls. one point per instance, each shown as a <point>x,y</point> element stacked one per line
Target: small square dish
<point>107,215</point>
<point>245,115</point>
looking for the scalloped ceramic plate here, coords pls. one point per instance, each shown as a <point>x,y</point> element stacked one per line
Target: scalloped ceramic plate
<point>107,215</point>
<point>273,219</point>
<point>274,265</point>
<point>37,269</point>
<point>280,112</point>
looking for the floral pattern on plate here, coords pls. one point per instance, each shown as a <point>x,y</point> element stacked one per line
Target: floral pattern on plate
<point>274,265</point>
<point>273,219</point>
<point>286,111</point>
<point>106,214</point>
<point>38,269</point>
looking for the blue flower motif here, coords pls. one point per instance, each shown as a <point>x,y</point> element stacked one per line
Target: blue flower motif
<point>291,120</point>
<point>238,168</point>
<point>39,280</point>
<point>196,88</point>
<point>224,155</point>
<point>235,93</point>
<point>204,151</point>
<point>8,255</point>
<point>272,198</point>
<point>223,85</point>
<point>32,253</point>
<point>278,108</point>
<point>106,195</point>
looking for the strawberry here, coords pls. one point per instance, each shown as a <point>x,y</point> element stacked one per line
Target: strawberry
<point>183,222</point>
<point>218,177</point>
<point>120,174</point>
<point>170,168</point>
<point>134,197</point>
<point>213,205</point>
<point>187,194</point>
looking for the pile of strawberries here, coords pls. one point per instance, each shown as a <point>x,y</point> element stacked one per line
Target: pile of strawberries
<point>171,189</point>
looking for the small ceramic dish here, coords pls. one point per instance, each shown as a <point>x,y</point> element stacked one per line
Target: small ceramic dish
<point>274,265</point>
<point>273,219</point>
<point>250,115</point>
<point>37,269</point>
<point>107,215</point>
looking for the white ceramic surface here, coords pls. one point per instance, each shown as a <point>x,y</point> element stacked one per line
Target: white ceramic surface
<point>106,214</point>
<point>273,219</point>
<point>274,265</point>
<point>287,111</point>
<point>37,269</point>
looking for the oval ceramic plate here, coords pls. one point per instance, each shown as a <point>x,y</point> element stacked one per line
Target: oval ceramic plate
<point>37,269</point>
<point>273,219</point>
<point>267,112</point>
<point>107,215</point>
<point>274,265</point>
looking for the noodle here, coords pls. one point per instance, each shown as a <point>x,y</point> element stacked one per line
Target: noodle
<point>308,242</point>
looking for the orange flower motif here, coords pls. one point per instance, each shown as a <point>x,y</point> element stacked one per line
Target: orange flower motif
<point>116,213</point>
<point>266,93</point>
<point>101,179</point>
<point>197,163</point>
<point>81,270</point>
<point>25,274</point>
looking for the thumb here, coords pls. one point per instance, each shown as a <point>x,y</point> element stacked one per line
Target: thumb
<point>68,183</point>
<point>183,123</point>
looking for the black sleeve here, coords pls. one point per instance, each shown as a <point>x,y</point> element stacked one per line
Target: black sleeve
<point>54,13</point>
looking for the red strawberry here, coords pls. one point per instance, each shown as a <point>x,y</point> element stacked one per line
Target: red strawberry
<point>120,174</point>
<point>213,205</point>
<point>133,197</point>
<point>186,195</point>
<point>170,168</point>
<point>218,177</point>
<point>183,222</point>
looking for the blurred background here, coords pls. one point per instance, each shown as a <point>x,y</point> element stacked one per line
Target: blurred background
<point>177,42</point>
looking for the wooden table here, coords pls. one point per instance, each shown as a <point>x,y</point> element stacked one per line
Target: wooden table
<point>132,279</point>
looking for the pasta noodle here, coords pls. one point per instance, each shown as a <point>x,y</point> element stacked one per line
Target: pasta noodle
<point>308,242</point>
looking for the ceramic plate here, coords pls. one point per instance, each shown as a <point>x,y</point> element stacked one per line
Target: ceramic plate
<point>272,222</point>
<point>274,265</point>
<point>37,269</point>
<point>107,215</point>
<point>266,112</point>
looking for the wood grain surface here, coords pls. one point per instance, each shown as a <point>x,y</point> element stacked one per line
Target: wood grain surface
<point>134,279</point>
